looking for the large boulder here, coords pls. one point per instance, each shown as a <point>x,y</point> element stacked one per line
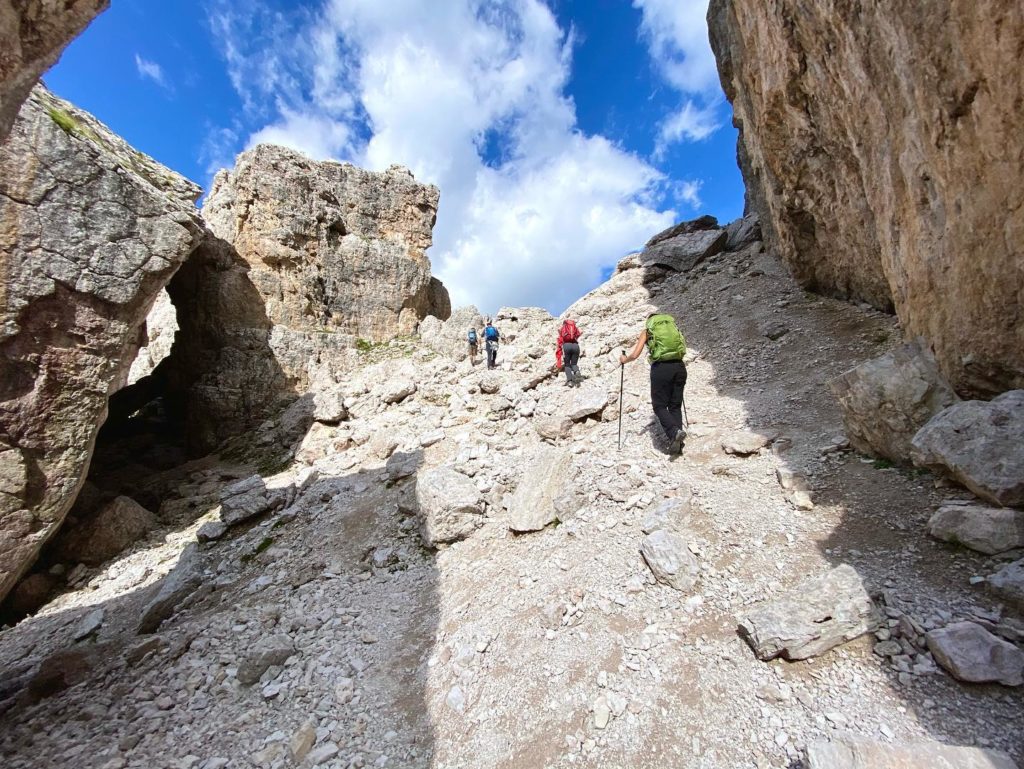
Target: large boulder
<point>449,504</point>
<point>988,530</point>
<point>268,651</point>
<point>683,246</point>
<point>118,524</point>
<point>885,401</point>
<point>92,230</point>
<point>32,37</point>
<point>881,203</point>
<point>818,614</point>
<point>971,653</point>
<point>979,444</point>
<point>742,232</point>
<point>545,492</point>
<point>1008,584</point>
<point>848,751</point>
<point>588,403</point>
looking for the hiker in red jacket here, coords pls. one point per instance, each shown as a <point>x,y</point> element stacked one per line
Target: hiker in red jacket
<point>567,351</point>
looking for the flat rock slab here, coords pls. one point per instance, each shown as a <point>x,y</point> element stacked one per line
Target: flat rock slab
<point>545,492</point>
<point>986,529</point>
<point>815,616</point>
<point>971,653</point>
<point>979,444</point>
<point>670,514</point>
<point>274,650</point>
<point>553,428</point>
<point>685,251</point>
<point>449,505</point>
<point>1008,584</point>
<point>255,496</point>
<point>745,442</point>
<point>852,752</point>
<point>589,403</point>
<point>183,580</point>
<point>670,560</point>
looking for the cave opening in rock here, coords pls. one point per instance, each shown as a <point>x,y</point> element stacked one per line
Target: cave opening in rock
<point>177,431</point>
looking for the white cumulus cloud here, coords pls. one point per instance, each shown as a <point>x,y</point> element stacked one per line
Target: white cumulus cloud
<point>676,33</point>
<point>472,97</point>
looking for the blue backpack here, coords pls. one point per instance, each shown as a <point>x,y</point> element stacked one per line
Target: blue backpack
<point>472,336</point>
<point>491,334</point>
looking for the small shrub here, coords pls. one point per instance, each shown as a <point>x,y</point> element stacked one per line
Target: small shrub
<point>882,464</point>
<point>64,120</point>
<point>264,544</point>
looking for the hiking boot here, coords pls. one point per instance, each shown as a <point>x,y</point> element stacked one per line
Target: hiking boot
<point>679,441</point>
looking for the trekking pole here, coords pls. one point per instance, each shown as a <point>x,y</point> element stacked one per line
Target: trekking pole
<point>685,415</point>
<point>622,375</point>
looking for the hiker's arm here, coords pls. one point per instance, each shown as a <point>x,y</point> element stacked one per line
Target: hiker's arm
<point>637,350</point>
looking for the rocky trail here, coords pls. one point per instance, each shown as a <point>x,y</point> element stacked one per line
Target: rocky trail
<point>441,566</point>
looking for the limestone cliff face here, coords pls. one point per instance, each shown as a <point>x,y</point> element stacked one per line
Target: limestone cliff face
<point>302,259</point>
<point>881,144</point>
<point>90,231</point>
<point>332,248</point>
<point>33,34</point>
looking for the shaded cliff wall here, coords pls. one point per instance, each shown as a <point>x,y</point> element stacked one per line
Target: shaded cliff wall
<point>882,145</point>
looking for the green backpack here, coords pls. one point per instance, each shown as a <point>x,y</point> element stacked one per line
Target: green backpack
<point>664,342</point>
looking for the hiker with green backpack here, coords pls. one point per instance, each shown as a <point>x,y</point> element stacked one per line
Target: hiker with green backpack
<point>666,348</point>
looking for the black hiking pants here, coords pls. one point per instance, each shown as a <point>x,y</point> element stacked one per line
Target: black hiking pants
<point>570,360</point>
<point>668,378</point>
<point>492,353</point>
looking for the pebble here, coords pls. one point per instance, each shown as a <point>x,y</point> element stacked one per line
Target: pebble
<point>602,712</point>
<point>456,700</point>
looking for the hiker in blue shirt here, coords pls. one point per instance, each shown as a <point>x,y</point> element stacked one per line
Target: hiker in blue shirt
<point>491,337</point>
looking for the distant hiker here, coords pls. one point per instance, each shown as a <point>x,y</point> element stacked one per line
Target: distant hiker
<point>491,337</point>
<point>567,351</point>
<point>471,338</point>
<point>666,348</point>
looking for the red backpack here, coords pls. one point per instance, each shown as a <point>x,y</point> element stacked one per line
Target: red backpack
<point>569,332</point>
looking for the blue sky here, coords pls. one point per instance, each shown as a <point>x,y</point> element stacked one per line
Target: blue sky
<point>562,134</point>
